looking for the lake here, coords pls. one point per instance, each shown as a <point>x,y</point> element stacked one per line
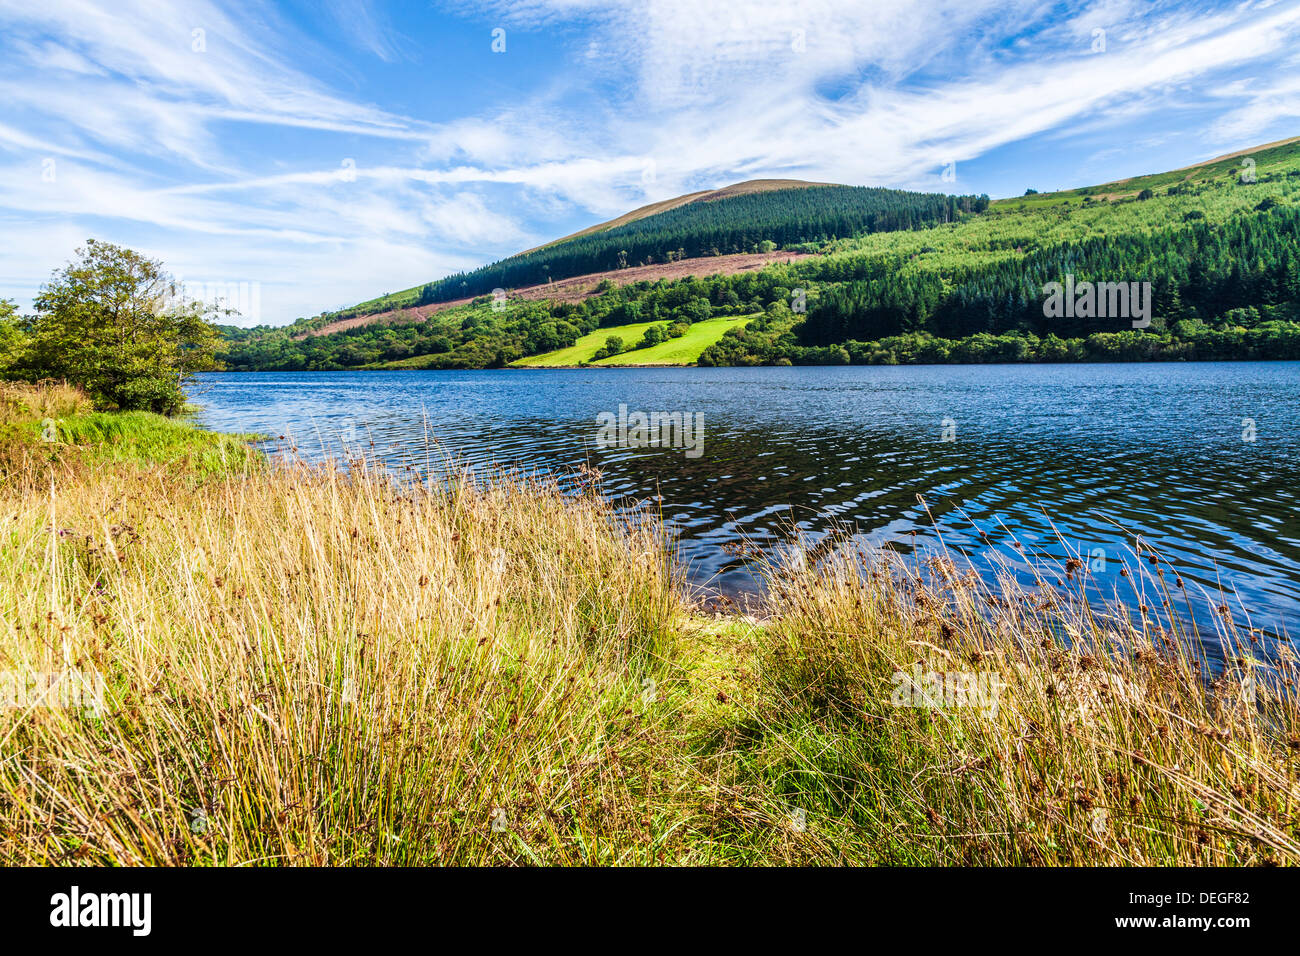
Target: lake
<point>1202,460</point>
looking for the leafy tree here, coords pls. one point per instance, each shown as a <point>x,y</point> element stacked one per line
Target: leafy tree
<point>112,321</point>
<point>697,310</point>
<point>13,338</point>
<point>613,346</point>
<point>653,336</point>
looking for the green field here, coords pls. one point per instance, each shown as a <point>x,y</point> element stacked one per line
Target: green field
<point>584,348</point>
<point>680,351</point>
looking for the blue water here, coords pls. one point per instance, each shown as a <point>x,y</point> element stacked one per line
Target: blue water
<point>1094,453</point>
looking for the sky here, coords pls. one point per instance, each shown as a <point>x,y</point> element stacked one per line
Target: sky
<point>298,157</point>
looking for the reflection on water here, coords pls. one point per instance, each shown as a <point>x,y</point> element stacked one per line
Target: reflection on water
<point>1096,453</point>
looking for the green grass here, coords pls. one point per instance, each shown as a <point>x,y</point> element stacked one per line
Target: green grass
<point>680,351</point>
<point>585,347</point>
<point>54,424</point>
<point>143,438</point>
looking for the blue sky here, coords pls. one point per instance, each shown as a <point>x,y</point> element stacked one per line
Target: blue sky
<point>326,152</point>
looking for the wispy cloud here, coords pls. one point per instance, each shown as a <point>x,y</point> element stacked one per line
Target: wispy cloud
<point>331,155</point>
<point>366,27</point>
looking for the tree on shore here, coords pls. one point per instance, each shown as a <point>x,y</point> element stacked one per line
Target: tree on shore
<point>13,337</point>
<point>113,321</point>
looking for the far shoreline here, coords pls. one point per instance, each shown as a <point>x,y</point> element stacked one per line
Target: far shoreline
<point>601,368</point>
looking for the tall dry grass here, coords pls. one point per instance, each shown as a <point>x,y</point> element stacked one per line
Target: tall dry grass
<point>1108,737</point>
<point>312,666</point>
<point>22,402</point>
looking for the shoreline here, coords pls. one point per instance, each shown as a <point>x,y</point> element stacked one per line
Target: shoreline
<point>518,672</point>
<point>548,368</point>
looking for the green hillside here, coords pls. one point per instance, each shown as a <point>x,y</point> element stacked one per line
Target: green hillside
<point>684,350</point>
<point>715,223</point>
<point>1215,248</point>
<point>585,348</point>
<point>1270,158</point>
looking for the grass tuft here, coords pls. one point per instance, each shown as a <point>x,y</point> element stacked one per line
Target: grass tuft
<point>325,667</point>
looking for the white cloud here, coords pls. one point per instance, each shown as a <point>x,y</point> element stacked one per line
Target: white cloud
<point>868,92</point>
<point>222,152</point>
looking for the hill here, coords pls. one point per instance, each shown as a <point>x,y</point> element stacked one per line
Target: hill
<point>749,187</point>
<point>1215,247</point>
<point>575,289</point>
<point>415,297</point>
<point>735,219</point>
<point>684,349</point>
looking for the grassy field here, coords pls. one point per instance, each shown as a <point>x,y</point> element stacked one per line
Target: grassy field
<point>680,351</point>
<point>585,347</point>
<point>311,665</point>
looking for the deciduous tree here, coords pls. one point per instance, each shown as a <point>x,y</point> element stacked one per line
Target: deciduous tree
<point>114,322</point>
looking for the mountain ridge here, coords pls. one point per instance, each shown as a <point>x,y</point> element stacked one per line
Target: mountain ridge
<point>927,278</point>
<point>665,205</point>
<point>737,218</point>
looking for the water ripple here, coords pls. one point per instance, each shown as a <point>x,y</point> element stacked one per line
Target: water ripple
<point>1098,453</point>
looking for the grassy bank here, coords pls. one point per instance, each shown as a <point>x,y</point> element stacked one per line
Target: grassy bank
<point>939,721</point>
<point>56,425</point>
<point>684,350</point>
<point>303,665</point>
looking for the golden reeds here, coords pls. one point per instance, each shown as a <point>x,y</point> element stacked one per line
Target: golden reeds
<point>311,664</point>
<point>320,666</point>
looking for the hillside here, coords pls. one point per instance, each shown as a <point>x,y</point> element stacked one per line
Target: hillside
<point>735,219</point>
<point>417,298</point>
<point>749,187</point>
<point>681,350</point>
<point>577,288</point>
<point>1217,245</point>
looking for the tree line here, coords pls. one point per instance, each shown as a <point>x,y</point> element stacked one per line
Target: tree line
<point>1195,270</point>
